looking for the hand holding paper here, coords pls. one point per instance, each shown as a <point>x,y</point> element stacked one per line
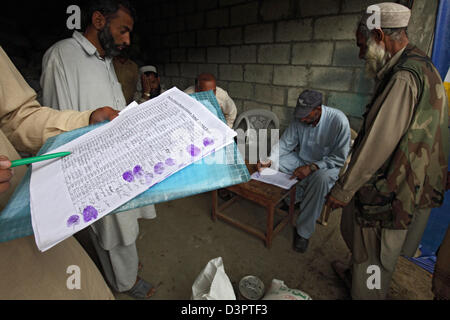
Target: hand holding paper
<point>115,163</point>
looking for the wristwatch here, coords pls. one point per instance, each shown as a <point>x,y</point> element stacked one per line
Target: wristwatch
<point>313,167</point>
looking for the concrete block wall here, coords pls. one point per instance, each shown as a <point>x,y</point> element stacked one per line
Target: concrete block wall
<point>264,53</point>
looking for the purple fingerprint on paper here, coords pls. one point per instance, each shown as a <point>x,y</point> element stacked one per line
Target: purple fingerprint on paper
<point>159,168</point>
<point>170,162</point>
<point>138,171</point>
<point>208,142</point>
<point>90,213</point>
<point>128,176</point>
<point>193,150</point>
<point>73,221</point>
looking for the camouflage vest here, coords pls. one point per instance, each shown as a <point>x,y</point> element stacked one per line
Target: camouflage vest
<point>414,177</point>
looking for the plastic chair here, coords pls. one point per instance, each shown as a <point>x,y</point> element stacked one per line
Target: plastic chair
<point>252,121</point>
<point>257,119</point>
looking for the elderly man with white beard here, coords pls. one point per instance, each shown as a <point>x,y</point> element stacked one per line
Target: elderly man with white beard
<point>399,161</point>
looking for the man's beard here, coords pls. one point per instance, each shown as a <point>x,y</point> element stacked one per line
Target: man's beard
<point>376,57</point>
<point>107,42</point>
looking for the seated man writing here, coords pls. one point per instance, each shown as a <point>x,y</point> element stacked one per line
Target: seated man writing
<point>313,149</point>
<point>207,82</point>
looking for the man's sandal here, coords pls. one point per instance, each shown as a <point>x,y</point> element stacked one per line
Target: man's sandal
<point>141,290</point>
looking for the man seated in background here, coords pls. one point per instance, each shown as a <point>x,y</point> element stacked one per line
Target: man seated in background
<point>207,82</point>
<point>323,137</point>
<point>26,273</point>
<point>128,75</point>
<point>149,84</point>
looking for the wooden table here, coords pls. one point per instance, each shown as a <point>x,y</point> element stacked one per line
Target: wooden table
<point>266,195</point>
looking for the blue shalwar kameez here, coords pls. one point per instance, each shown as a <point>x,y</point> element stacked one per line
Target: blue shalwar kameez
<point>327,146</point>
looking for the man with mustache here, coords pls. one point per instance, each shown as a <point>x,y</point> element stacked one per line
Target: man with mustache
<point>399,161</point>
<point>79,72</point>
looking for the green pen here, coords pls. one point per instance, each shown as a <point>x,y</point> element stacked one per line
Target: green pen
<point>23,162</point>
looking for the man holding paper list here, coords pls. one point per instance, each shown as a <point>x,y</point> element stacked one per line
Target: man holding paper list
<point>26,273</point>
<point>313,149</point>
<point>79,71</point>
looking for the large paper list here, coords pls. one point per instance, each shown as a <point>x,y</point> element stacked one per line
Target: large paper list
<point>118,161</point>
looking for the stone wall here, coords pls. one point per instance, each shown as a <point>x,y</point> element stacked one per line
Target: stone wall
<point>264,53</point>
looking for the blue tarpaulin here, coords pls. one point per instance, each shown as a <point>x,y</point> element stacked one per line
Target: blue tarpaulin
<point>219,170</point>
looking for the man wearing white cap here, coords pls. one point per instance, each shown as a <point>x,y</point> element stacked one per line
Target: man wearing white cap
<point>313,149</point>
<point>149,86</point>
<point>399,161</point>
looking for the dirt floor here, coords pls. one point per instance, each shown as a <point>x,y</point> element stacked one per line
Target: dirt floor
<point>175,248</point>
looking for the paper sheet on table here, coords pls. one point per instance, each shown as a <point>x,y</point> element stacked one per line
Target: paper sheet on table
<point>275,178</point>
<point>118,161</point>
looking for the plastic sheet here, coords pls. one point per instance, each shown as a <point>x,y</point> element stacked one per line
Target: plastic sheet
<point>222,169</point>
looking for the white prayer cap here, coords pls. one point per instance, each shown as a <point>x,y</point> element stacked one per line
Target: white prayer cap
<point>145,69</point>
<point>392,15</point>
